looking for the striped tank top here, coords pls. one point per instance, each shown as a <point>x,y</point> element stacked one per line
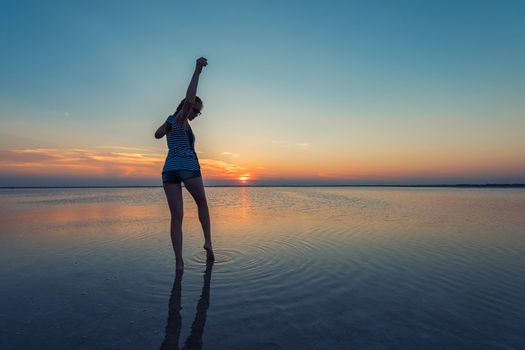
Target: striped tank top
<point>181,148</point>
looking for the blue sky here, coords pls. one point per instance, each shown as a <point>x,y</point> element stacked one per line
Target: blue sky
<point>323,91</point>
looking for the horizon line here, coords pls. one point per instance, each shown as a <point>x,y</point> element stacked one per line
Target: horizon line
<point>460,185</point>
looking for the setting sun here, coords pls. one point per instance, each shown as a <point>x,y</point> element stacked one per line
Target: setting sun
<point>244,178</point>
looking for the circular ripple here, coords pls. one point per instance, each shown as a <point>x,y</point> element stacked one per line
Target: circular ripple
<point>222,256</point>
<point>286,268</point>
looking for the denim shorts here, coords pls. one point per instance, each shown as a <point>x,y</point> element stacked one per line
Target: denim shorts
<point>176,176</point>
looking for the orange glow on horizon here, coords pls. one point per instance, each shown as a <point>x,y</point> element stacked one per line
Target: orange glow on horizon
<point>362,166</point>
<point>245,177</point>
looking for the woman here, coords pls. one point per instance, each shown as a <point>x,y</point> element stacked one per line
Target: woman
<point>182,165</point>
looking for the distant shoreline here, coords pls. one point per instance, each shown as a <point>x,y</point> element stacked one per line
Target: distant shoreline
<point>235,186</point>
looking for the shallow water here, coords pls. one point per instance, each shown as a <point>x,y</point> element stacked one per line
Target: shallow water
<point>297,268</point>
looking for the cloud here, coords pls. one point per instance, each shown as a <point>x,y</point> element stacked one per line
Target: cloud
<point>121,162</point>
<point>124,148</point>
<point>303,146</point>
<point>219,169</point>
<point>230,154</point>
<point>76,162</point>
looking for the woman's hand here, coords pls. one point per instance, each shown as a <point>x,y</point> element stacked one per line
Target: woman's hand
<point>201,63</point>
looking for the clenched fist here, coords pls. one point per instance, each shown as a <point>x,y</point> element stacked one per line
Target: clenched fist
<point>201,63</point>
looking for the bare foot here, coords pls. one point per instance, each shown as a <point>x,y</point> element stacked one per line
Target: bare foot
<point>179,264</point>
<point>209,252</point>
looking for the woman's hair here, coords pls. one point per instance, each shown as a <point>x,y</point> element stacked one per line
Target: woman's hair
<point>181,104</point>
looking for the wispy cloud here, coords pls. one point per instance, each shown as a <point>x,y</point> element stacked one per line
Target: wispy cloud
<point>120,161</point>
<point>79,162</point>
<point>303,146</point>
<point>230,154</point>
<point>217,168</point>
<point>124,148</point>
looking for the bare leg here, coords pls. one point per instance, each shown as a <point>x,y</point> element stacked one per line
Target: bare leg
<point>174,197</point>
<point>196,189</point>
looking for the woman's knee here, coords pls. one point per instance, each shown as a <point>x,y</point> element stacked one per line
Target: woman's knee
<point>199,198</point>
<point>177,215</point>
<point>201,202</point>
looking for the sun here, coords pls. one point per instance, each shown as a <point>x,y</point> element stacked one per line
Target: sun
<point>244,178</point>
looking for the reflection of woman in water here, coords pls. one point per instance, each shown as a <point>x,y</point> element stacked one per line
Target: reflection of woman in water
<point>173,326</point>
<point>182,165</point>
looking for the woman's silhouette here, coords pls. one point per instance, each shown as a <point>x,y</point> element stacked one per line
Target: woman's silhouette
<point>182,165</point>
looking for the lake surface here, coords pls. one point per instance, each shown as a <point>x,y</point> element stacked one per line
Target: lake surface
<point>297,268</point>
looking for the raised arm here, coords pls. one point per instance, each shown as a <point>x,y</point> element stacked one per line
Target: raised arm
<point>191,93</point>
<point>189,101</point>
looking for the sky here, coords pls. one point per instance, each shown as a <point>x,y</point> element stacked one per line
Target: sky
<point>296,92</point>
